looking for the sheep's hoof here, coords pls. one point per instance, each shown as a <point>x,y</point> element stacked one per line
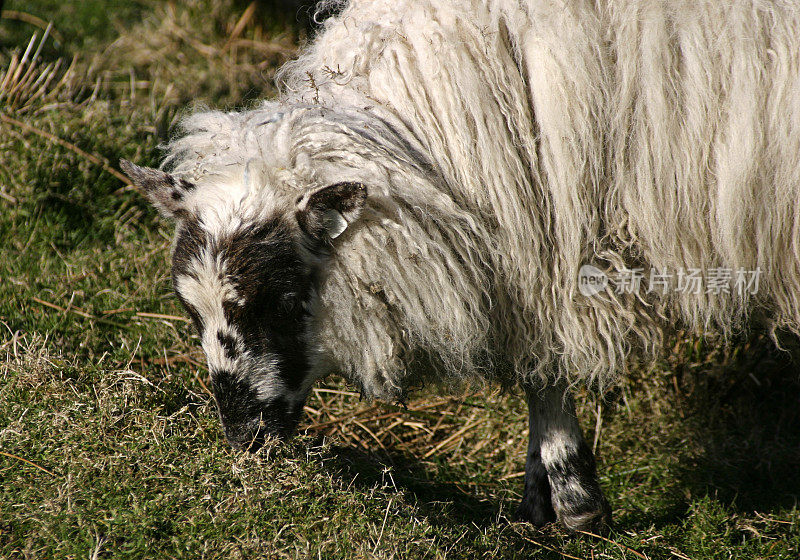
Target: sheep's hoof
<point>537,511</point>
<point>595,519</point>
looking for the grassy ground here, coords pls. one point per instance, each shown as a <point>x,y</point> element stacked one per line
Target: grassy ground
<point>109,445</point>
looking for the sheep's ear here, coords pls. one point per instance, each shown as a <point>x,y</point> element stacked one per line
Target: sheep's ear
<point>165,191</point>
<point>325,213</point>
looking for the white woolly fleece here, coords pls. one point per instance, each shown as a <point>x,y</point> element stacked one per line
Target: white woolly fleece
<point>506,143</point>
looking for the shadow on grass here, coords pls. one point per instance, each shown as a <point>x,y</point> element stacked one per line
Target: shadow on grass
<point>736,439</point>
<point>450,502</point>
<point>746,419</point>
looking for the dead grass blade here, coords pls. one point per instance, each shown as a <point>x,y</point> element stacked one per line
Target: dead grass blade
<point>32,20</point>
<point>26,82</point>
<point>145,315</point>
<point>544,546</point>
<point>18,458</point>
<point>518,474</point>
<point>77,311</point>
<point>454,437</point>
<point>338,420</point>
<point>615,543</point>
<point>203,383</point>
<point>179,358</point>
<point>383,526</point>
<point>370,433</point>
<point>240,25</point>
<point>70,146</point>
<point>677,553</point>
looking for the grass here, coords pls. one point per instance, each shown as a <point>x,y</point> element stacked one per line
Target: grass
<point>109,444</point>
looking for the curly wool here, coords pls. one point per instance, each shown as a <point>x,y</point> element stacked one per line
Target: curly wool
<point>507,143</point>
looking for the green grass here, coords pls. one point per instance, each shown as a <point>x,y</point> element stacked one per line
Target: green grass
<point>80,26</point>
<point>110,447</point>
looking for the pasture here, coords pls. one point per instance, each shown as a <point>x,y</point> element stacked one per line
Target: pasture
<point>109,442</point>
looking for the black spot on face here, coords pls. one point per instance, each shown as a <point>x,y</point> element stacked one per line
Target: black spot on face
<point>182,184</point>
<point>228,344</point>
<point>177,195</point>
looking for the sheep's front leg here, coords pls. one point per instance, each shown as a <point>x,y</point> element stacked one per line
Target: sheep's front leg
<point>560,473</point>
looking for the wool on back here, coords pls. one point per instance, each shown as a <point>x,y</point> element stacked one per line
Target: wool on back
<point>506,144</point>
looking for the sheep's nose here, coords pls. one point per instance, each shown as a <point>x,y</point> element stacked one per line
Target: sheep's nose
<point>248,436</point>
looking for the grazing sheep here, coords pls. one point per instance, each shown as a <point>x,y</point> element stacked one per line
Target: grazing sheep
<point>422,197</point>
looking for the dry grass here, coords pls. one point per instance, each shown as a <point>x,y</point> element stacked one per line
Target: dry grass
<point>27,83</point>
<point>169,56</point>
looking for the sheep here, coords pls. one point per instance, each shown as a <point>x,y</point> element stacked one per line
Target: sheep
<point>475,191</point>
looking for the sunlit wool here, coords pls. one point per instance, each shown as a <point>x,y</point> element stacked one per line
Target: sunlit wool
<point>504,144</point>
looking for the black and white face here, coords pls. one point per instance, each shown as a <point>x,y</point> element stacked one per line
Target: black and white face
<point>250,295</point>
<point>251,291</point>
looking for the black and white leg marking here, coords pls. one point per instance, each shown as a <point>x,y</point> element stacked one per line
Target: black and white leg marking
<point>560,472</point>
<point>536,506</point>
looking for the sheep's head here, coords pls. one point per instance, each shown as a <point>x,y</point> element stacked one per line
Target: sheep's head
<point>250,286</point>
